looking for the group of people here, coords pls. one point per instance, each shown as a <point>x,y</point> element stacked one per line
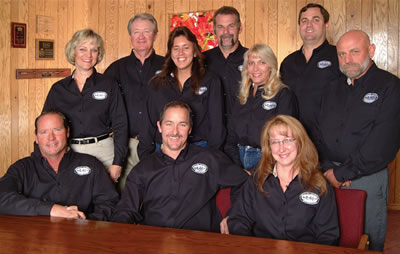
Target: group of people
<point>191,123</point>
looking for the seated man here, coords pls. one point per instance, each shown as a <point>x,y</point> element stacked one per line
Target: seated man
<point>176,186</point>
<point>55,180</point>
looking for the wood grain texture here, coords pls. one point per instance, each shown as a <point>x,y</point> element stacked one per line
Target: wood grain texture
<point>273,22</point>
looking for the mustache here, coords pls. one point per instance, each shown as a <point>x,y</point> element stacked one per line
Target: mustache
<point>226,36</point>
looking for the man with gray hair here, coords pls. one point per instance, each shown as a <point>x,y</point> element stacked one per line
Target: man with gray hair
<point>359,129</point>
<point>133,73</point>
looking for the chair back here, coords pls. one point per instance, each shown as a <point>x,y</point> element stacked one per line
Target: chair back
<point>351,210</point>
<point>224,201</point>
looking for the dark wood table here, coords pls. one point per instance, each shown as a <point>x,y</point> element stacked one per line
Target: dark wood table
<point>57,235</point>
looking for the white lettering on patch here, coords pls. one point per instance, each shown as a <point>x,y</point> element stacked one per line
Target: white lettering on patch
<point>99,95</point>
<point>268,105</point>
<point>199,168</point>
<point>309,198</point>
<point>370,97</point>
<point>82,170</point>
<point>202,90</point>
<point>324,64</point>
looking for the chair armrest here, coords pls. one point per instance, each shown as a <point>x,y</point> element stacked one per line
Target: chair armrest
<point>364,243</point>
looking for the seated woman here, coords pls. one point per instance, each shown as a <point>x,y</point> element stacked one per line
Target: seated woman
<point>92,103</point>
<point>287,198</point>
<point>262,95</point>
<point>184,78</point>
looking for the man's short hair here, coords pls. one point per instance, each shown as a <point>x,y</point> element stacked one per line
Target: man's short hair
<point>177,104</point>
<point>324,12</point>
<point>52,112</point>
<point>226,10</point>
<point>143,16</point>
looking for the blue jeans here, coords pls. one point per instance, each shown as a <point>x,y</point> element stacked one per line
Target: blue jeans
<point>249,156</point>
<point>376,186</point>
<point>201,143</point>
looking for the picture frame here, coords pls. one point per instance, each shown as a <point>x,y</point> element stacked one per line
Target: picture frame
<point>18,35</point>
<point>44,49</point>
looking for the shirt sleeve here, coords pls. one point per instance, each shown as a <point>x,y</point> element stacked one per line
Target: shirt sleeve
<point>12,199</point>
<point>231,144</point>
<point>217,130</point>
<point>287,104</point>
<point>382,144</point>
<point>146,144</point>
<point>104,196</point>
<point>49,102</point>
<point>128,208</point>
<point>241,216</point>
<point>325,225</point>
<point>119,125</point>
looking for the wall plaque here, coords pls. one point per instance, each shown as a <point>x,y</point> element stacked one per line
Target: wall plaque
<point>18,35</point>
<point>44,49</point>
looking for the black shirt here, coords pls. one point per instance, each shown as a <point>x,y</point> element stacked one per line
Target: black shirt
<point>360,124</point>
<point>308,80</point>
<point>31,187</point>
<point>247,121</point>
<point>133,77</point>
<point>178,193</point>
<point>207,111</point>
<point>229,70</point>
<point>296,214</point>
<point>98,110</point>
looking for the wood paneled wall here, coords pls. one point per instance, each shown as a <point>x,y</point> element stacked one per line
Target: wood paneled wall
<point>271,21</point>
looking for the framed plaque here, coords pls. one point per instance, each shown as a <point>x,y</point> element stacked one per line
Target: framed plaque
<point>44,49</point>
<point>18,35</point>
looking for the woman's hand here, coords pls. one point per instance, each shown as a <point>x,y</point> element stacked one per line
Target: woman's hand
<point>224,226</point>
<point>115,172</point>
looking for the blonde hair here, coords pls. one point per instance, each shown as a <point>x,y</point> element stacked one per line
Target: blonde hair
<point>78,38</point>
<point>274,83</point>
<point>306,160</point>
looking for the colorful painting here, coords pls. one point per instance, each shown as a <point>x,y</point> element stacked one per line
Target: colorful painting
<point>201,25</point>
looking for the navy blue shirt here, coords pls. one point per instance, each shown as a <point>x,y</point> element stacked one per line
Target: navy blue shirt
<point>359,126</point>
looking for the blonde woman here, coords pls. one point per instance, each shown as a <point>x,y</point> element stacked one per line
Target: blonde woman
<point>262,95</point>
<point>287,198</point>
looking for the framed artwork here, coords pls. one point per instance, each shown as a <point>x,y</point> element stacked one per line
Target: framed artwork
<point>18,35</point>
<point>201,25</point>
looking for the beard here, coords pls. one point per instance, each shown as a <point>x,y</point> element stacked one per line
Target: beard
<point>354,70</point>
<point>227,36</point>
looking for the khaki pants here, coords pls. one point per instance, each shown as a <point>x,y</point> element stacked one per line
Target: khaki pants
<point>131,162</point>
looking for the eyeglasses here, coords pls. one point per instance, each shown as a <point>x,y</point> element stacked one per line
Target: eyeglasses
<point>285,142</point>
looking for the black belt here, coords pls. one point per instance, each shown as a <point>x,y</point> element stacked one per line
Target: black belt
<point>85,141</point>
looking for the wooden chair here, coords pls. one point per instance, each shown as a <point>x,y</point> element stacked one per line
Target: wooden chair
<point>351,211</point>
<point>223,200</point>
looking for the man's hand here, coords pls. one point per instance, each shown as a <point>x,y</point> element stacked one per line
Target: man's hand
<point>332,179</point>
<point>115,172</point>
<point>224,226</point>
<point>67,212</point>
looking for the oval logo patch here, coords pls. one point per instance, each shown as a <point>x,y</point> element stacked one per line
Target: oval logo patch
<point>82,170</point>
<point>370,97</point>
<point>99,95</point>
<point>202,90</point>
<point>309,198</point>
<point>268,105</point>
<point>240,68</point>
<point>200,168</point>
<point>324,64</point>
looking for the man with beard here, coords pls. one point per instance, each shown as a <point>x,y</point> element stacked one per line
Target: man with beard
<point>359,127</point>
<point>226,60</point>
<point>309,70</point>
<point>176,186</point>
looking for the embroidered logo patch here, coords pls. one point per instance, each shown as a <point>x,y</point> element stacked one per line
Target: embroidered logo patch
<point>82,170</point>
<point>240,68</point>
<point>199,168</point>
<point>99,95</point>
<point>268,105</point>
<point>202,90</point>
<point>309,198</point>
<point>324,64</point>
<point>370,97</point>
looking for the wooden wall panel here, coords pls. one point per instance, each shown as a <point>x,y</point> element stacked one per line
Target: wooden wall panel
<point>271,21</point>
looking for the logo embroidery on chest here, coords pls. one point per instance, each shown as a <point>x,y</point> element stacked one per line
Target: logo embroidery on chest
<point>199,168</point>
<point>309,198</point>
<point>202,90</point>
<point>324,64</point>
<point>82,170</point>
<point>240,68</point>
<point>99,95</point>
<point>370,97</point>
<point>268,105</point>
